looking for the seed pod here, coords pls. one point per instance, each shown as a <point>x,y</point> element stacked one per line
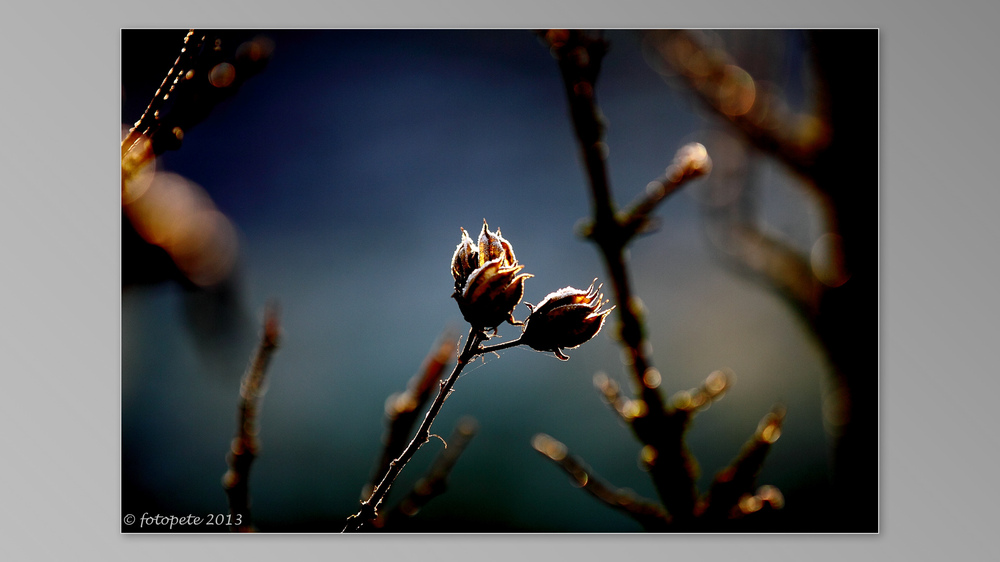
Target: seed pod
<point>565,319</point>
<point>465,261</point>
<point>487,294</point>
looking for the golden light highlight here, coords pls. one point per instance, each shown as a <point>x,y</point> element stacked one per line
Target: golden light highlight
<point>557,37</point>
<point>771,495</point>
<point>178,216</point>
<point>737,91</point>
<point>770,433</point>
<point>717,382</point>
<point>693,60</point>
<point>749,504</point>
<point>138,165</point>
<point>652,378</point>
<point>634,409</point>
<point>690,161</point>
<point>222,75</point>
<point>257,49</point>
<point>769,428</point>
<point>549,447</point>
<point>399,403</point>
<point>682,400</point>
<point>648,455</point>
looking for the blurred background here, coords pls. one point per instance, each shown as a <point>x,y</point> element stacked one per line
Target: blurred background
<point>335,182</point>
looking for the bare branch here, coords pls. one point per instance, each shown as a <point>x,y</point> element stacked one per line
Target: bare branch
<point>207,71</point>
<point>733,483</point>
<point>369,507</point>
<point>688,402</point>
<point>647,513</point>
<point>403,408</point>
<point>579,57</point>
<point>728,89</point>
<point>779,265</point>
<point>435,482</point>
<point>245,445</point>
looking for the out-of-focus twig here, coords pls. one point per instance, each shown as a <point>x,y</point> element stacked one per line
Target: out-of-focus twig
<point>435,482</point>
<point>729,90</point>
<point>647,513</point>
<point>835,151</point>
<point>733,483</point>
<point>245,445</point>
<point>211,67</point>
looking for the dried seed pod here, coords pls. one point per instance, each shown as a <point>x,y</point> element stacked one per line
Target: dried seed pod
<point>565,319</point>
<point>487,281</point>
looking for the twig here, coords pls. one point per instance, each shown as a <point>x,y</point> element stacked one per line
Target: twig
<point>732,93</point>
<point>403,408</point>
<point>733,483</point>
<point>369,507</point>
<point>780,266</point>
<point>435,482</point>
<point>579,57</point>
<point>245,445</point>
<point>658,425</point>
<point>650,515</point>
<point>201,77</point>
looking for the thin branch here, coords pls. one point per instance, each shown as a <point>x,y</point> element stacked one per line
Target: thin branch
<point>689,402</point>
<point>435,482</point>
<point>403,408</point>
<point>734,95</point>
<point>505,345</point>
<point>647,513</point>
<point>369,507</point>
<point>201,77</point>
<point>733,483</point>
<point>579,56</point>
<point>690,162</point>
<point>778,264</point>
<point>245,445</point>
<point>611,392</point>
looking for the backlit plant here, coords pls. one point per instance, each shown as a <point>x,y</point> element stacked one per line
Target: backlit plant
<point>488,287</point>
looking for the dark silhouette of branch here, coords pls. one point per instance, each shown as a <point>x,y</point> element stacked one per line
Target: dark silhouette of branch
<point>435,482</point>
<point>211,68</point>
<point>835,153</point>
<point>245,445</point>
<point>732,93</point>
<point>735,482</point>
<point>369,507</point>
<point>647,513</point>
<point>579,56</point>
<point>403,408</point>
<point>659,426</point>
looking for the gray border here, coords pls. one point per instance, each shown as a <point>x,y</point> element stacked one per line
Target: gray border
<point>61,397</point>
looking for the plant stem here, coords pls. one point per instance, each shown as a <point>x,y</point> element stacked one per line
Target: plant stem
<point>499,346</point>
<point>245,445</point>
<point>369,507</point>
